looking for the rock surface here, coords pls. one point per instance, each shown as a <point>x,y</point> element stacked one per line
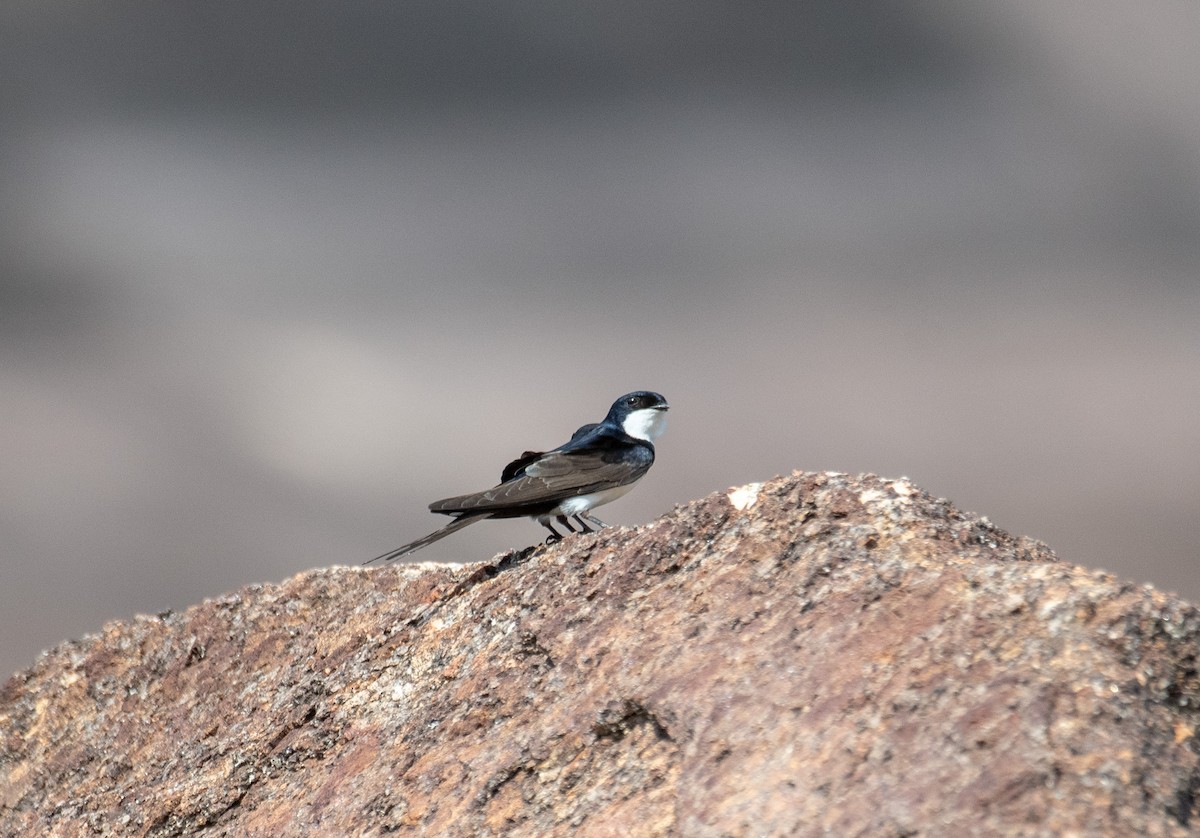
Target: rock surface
<point>820,654</point>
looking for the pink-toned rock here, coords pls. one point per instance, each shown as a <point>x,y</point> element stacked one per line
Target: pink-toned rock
<point>821,654</point>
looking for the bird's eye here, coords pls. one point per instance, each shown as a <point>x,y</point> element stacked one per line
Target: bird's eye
<point>633,400</point>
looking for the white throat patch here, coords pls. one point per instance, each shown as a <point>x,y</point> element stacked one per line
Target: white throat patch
<point>646,423</point>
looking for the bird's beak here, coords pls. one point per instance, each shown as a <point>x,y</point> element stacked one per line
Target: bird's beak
<point>663,407</point>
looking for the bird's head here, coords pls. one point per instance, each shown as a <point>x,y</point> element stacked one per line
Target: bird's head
<point>641,414</point>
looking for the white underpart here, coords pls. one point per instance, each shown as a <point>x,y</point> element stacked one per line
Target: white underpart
<point>582,503</point>
<point>646,423</point>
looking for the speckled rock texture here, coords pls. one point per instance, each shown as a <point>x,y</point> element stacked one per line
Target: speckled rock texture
<point>818,655</point>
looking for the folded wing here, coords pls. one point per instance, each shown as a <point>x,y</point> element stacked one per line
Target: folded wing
<point>549,478</point>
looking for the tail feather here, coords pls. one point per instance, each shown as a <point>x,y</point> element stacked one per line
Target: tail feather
<point>454,526</point>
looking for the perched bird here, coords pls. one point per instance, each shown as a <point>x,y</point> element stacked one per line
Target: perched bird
<point>599,464</point>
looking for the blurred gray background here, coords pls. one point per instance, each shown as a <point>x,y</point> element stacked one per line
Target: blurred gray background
<point>273,277</point>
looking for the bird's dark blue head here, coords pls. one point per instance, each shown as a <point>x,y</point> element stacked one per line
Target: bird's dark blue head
<point>641,414</point>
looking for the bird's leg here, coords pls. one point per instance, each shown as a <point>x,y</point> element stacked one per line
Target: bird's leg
<point>592,519</point>
<point>589,523</point>
<point>566,523</point>
<point>554,537</point>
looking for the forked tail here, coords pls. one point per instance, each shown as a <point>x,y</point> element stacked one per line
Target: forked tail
<point>454,526</point>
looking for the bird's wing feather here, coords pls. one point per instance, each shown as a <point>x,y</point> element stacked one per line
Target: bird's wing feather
<point>551,477</point>
<point>514,468</point>
<point>510,470</point>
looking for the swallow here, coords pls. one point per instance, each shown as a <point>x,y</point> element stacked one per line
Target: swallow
<point>600,463</point>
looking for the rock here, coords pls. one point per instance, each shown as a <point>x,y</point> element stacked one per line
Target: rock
<point>820,654</point>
